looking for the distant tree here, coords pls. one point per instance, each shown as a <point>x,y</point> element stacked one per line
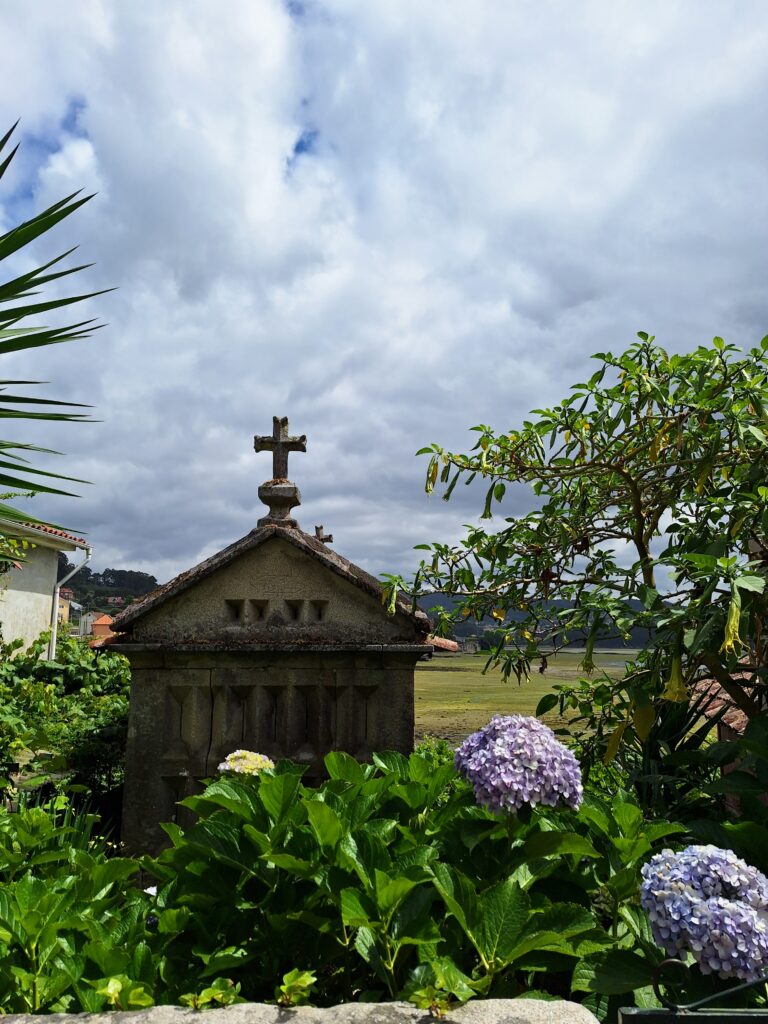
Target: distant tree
<point>17,474</point>
<point>651,486</point>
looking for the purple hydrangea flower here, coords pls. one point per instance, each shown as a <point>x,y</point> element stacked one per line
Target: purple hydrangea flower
<point>515,760</point>
<point>710,903</point>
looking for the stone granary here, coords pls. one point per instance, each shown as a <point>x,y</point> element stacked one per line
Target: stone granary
<point>276,644</point>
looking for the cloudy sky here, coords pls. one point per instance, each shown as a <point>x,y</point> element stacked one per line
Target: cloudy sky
<point>386,220</point>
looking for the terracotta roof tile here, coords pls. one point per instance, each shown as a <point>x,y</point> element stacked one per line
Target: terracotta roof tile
<point>440,643</point>
<point>734,717</point>
<point>54,532</point>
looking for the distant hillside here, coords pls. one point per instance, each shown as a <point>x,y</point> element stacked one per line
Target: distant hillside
<point>100,589</point>
<point>471,627</point>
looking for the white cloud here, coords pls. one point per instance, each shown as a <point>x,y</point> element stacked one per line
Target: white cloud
<point>481,197</point>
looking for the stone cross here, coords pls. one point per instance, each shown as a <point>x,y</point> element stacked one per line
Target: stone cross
<point>280,443</point>
<point>324,538</point>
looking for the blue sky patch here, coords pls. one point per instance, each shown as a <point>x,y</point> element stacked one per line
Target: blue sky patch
<point>35,151</point>
<point>305,145</point>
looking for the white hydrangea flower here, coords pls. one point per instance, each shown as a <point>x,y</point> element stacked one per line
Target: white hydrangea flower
<point>245,762</point>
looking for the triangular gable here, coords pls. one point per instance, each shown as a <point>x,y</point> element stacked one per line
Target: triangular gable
<point>310,546</point>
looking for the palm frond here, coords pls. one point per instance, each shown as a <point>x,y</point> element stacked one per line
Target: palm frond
<point>16,336</point>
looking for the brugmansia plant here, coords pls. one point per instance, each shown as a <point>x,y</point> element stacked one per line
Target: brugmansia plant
<point>650,489</point>
<point>17,473</point>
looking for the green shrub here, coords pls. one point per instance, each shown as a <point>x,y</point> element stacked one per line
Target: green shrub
<point>64,721</point>
<point>388,881</point>
<point>73,925</point>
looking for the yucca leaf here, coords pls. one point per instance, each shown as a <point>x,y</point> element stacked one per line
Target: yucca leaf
<point>41,472</point>
<point>13,483</point>
<point>3,140</point>
<point>20,340</point>
<point>6,163</point>
<point>32,229</point>
<point>16,473</point>
<point>29,400</point>
<point>17,312</point>
<point>16,288</point>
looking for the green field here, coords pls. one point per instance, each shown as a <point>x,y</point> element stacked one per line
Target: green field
<point>454,698</point>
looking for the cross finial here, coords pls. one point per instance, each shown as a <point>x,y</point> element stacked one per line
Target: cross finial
<point>324,538</point>
<point>278,493</point>
<point>280,443</point>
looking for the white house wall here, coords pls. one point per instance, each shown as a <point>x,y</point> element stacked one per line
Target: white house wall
<point>25,602</point>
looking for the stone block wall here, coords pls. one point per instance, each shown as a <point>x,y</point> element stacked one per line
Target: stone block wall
<point>190,709</point>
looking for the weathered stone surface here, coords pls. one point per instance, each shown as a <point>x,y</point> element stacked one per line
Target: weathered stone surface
<point>276,644</point>
<point>480,1011</point>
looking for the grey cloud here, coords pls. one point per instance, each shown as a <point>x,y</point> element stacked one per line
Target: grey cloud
<point>490,196</point>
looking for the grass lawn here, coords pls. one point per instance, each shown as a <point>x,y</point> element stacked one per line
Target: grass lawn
<point>454,698</point>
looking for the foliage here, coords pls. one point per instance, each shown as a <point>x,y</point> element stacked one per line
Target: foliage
<point>651,518</point>
<point>93,588</point>
<point>385,881</point>
<point>16,472</point>
<point>65,720</point>
<point>389,881</point>
<point>73,932</point>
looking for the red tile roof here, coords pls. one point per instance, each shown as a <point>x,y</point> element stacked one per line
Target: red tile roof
<point>54,532</point>
<point>734,717</point>
<point>440,643</point>
<point>103,620</point>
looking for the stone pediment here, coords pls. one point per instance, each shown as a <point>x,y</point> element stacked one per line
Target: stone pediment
<point>276,587</point>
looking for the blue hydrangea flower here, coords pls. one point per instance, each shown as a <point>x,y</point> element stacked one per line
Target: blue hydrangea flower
<point>515,760</point>
<point>710,903</point>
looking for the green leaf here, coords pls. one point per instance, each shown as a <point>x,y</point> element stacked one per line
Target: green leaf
<point>459,897</point>
<point>628,817</point>
<point>392,762</point>
<point>612,973</point>
<point>325,823</point>
<point>390,892</point>
<point>750,582</point>
<point>341,765</point>
<point>556,844</point>
<point>546,704</point>
<point>357,910</point>
<point>278,794</point>
<point>504,911</point>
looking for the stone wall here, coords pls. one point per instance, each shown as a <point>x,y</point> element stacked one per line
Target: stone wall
<point>190,709</point>
<point>479,1011</point>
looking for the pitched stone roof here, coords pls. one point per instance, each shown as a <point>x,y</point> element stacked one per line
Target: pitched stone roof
<point>311,546</point>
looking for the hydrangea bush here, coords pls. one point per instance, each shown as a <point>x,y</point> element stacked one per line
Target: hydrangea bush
<point>245,762</point>
<point>517,760</point>
<point>710,903</point>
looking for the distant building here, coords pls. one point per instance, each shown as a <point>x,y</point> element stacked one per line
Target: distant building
<point>63,610</point>
<point>86,622</point>
<point>102,626</point>
<point>442,645</point>
<point>27,591</point>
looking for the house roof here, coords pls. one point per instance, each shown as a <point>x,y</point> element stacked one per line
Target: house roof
<point>720,705</point>
<point>47,536</point>
<point>311,546</point>
<point>103,620</point>
<point>441,643</point>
